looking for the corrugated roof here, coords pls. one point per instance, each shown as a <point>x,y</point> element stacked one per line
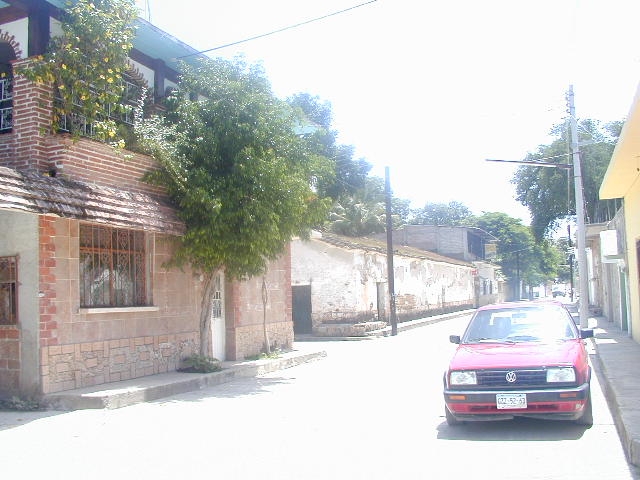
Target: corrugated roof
<point>35,193</point>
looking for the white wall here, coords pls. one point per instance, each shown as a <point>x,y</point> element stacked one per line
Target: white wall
<point>344,281</point>
<point>20,237</point>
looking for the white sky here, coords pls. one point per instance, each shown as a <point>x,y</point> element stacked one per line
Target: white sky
<point>433,88</point>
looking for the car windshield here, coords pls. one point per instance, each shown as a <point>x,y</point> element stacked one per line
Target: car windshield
<point>521,324</point>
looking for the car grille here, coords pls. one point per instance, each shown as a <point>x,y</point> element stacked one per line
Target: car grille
<point>525,378</point>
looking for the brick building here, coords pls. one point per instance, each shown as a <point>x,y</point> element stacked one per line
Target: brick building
<point>85,296</point>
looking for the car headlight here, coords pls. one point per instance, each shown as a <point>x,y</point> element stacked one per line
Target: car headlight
<point>463,378</point>
<point>561,375</point>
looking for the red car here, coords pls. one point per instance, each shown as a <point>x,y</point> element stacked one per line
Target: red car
<point>519,360</point>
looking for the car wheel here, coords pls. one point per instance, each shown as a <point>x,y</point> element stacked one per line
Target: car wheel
<point>587,414</point>
<point>451,420</point>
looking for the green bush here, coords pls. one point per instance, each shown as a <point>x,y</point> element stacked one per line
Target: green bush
<point>263,356</point>
<point>22,404</point>
<point>200,364</point>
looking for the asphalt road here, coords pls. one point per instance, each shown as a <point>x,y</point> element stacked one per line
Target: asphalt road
<point>369,410</point>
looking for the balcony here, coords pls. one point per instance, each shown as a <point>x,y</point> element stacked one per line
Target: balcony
<point>73,122</point>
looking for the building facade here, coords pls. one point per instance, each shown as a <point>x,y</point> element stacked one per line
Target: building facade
<point>469,244</point>
<point>86,296</point>
<point>621,181</point>
<point>339,280</point>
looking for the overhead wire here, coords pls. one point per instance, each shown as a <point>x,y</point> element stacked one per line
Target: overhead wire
<point>283,29</point>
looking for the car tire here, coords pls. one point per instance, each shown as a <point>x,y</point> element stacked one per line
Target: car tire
<point>451,420</point>
<point>586,418</point>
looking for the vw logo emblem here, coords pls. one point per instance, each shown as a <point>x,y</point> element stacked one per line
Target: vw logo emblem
<point>511,377</point>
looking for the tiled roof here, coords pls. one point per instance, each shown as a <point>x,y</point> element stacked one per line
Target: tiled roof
<point>36,193</point>
<point>364,243</point>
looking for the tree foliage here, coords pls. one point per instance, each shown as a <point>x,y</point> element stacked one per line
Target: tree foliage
<point>518,254</point>
<point>364,212</point>
<point>235,168</point>
<point>86,63</point>
<point>549,192</point>
<point>452,213</point>
<point>348,174</point>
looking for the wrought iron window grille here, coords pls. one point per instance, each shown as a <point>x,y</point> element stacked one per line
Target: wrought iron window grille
<point>8,290</point>
<point>112,267</point>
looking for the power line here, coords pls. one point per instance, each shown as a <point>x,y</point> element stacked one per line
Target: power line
<point>279,30</point>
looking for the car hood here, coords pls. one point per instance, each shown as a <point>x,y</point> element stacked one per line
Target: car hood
<point>515,355</point>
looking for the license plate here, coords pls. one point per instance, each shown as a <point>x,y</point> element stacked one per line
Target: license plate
<point>511,400</point>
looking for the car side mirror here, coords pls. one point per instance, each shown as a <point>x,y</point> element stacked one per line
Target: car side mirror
<point>586,333</point>
<point>454,338</point>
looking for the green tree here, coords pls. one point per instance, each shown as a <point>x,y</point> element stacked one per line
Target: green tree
<point>348,173</point>
<point>86,62</point>
<point>549,192</point>
<point>520,257</point>
<point>364,212</point>
<point>238,173</point>
<point>452,213</point>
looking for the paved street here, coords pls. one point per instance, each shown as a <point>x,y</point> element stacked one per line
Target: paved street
<point>369,410</point>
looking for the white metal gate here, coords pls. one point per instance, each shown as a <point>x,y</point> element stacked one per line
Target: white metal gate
<point>218,327</point>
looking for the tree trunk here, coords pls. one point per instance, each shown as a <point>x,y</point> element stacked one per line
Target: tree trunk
<point>205,314</point>
<point>265,297</point>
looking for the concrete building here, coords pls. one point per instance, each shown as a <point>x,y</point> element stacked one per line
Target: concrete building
<point>621,181</point>
<point>85,294</point>
<point>469,244</point>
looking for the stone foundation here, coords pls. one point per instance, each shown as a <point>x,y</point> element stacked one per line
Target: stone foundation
<point>66,367</point>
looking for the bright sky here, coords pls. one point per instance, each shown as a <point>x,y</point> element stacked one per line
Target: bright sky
<point>433,88</point>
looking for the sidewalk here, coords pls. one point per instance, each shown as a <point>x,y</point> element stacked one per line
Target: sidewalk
<point>616,362</point>
<point>154,387</point>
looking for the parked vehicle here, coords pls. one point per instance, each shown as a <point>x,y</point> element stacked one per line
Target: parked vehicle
<point>523,359</point>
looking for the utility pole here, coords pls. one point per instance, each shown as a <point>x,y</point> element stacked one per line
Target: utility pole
<point>390,271</point>
<point>581,230</point>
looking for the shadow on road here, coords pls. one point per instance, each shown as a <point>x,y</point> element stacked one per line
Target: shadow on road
<point>519,429</point>
<point>15,418</point>
<point>248,387</point>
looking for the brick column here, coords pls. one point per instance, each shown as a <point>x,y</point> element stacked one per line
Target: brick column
<point>32,113</point>
<point>47,281</point>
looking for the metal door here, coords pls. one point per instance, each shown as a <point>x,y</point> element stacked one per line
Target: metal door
<point>302,309</point>
<point>218,327</point>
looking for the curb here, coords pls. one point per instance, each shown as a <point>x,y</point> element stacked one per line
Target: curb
<point>145,389</point>
<point>630,442</point>
<point>421,322</point>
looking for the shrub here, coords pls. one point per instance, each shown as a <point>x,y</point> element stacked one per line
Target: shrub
<point>200,364</point>
<point>22,404</point>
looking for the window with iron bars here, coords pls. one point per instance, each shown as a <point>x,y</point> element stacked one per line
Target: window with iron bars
<point>77,123</point>
<point>113,271</point>
<point>8,290</point>
<point>6,104</point>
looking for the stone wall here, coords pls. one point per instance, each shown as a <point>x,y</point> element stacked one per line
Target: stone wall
<point>75,365</point>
